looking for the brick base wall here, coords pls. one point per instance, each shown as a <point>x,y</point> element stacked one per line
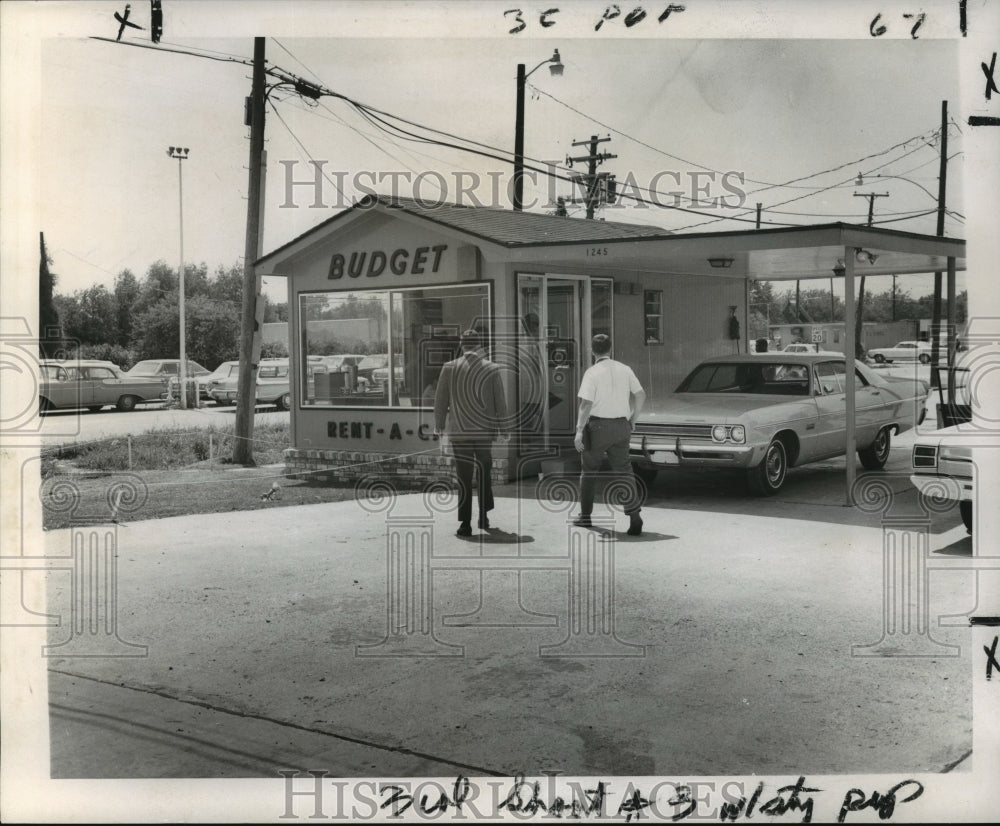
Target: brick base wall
<point>352,465</point>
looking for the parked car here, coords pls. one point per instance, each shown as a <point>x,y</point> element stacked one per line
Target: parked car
<point>272,385</point>
<point>766,413</point>
<point>166,368</point>
<point>94,384</point>
<point>224,371</point>
<point>903,351</point>
<point>369,364</point>
<point>943,469</point>
<point>802,347</point>
<point>340,362</point>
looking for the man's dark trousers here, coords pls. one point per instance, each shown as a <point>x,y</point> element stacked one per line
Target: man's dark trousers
<point>473,454</point>
<point>607,437</point>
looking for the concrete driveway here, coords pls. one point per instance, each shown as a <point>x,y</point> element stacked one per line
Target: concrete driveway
<point>722,641</point>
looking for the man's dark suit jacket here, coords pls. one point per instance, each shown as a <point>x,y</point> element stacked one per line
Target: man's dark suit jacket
<point>470,390</point>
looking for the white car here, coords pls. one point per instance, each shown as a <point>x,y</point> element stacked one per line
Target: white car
<point>903,351</point>
<point>943,469</point>
<point>803,347</point>
<point>224,371</point>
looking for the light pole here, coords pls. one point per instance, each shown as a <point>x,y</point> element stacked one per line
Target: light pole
<point>556,68</point>
<point>181,154</point>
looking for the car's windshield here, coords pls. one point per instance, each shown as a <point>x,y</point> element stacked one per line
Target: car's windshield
<point>762,378</point>
<point>145,367</point>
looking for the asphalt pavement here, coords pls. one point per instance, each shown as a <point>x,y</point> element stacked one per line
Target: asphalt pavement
<point>367,639</point>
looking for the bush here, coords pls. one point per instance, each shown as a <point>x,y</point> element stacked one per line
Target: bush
<point>274,350</point>
<point>124,357</point>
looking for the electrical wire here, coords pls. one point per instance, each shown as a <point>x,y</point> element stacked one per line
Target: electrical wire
<point>157,48</point>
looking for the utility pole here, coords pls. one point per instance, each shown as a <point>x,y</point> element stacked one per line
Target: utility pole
<point>250,332</point>
<point>593,192</point>
<point>759,207</point>
<point>860,314</point>
<point>942,189</point>
<point>871,196</point>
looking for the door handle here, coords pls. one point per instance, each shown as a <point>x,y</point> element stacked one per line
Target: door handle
<point>876,392</point>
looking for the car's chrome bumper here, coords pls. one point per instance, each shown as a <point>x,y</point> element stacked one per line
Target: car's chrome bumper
<point>948,488</point>
<point>666,451</point>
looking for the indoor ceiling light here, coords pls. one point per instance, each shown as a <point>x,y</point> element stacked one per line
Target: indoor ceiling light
<point>721,262</point>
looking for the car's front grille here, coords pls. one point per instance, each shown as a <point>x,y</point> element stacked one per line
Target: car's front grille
<point>925,456</point>
<point>694,431</point>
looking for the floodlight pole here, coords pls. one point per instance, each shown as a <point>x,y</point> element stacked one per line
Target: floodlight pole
<point>250,325</point>
<point>181,154</point>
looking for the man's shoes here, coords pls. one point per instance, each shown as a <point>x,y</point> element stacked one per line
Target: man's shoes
<point>583,522</point>
<point>484,523</point>
<point>635,526</point>
<point>465,529</point>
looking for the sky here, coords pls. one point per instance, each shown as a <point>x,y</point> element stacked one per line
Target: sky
<point>770,110</point>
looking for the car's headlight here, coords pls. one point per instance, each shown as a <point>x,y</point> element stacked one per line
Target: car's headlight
<point>729,433</point>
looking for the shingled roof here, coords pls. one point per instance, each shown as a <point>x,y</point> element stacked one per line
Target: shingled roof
<point>504,227</point>
<point>515,229</point>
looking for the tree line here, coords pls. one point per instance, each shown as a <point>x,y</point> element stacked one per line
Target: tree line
<point>140,319</point>
<point>769,306</point>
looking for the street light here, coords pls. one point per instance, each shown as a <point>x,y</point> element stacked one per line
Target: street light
<point>181,154</point>
<point>860,181</point>
<point>556,68</point>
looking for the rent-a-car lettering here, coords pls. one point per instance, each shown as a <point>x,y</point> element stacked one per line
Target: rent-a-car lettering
<point>349,430</point>
<point>374,263</point>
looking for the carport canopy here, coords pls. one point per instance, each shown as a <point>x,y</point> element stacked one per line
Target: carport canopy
<point>827,251</point>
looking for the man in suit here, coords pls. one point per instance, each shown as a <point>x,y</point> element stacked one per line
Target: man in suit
<point>470,402</point>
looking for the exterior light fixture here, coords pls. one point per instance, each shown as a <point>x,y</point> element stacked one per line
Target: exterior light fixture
<point>839,269</point>
<point>555,64</point>
<point>721,263</point>
<point>862,256</point>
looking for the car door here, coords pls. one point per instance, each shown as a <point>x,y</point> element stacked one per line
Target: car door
<point>64,387</point>
<point>102,386</point>
<point>872,409</point>
<point>831,403</point>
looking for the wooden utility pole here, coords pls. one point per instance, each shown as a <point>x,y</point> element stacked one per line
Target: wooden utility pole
<point>593,181</point>
<point>942,189</point>
<point>859,324</point>
<point>250,331</point>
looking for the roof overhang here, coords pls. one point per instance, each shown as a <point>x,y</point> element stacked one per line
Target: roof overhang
<point>785,253</point>
<point>768,255</point>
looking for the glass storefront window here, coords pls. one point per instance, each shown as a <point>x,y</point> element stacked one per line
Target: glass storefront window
<point>385,348</point>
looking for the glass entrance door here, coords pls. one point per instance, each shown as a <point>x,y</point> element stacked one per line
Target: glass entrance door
<point>559,316</point>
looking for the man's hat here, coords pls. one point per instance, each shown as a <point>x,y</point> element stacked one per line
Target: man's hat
<point>471,338</point>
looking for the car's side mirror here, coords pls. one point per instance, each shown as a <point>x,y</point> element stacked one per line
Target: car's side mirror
<point>827,388</point>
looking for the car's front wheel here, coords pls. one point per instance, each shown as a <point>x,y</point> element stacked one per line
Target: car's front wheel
<point>879,358</point>
<point>767,477</point>
<point>876,454</point>
<point>284,401</point>
<point>925,359</point>
<point>126,403</point>
<point>965,508</point>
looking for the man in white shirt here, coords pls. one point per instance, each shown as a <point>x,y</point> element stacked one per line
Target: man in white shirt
<point>611,399</point>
